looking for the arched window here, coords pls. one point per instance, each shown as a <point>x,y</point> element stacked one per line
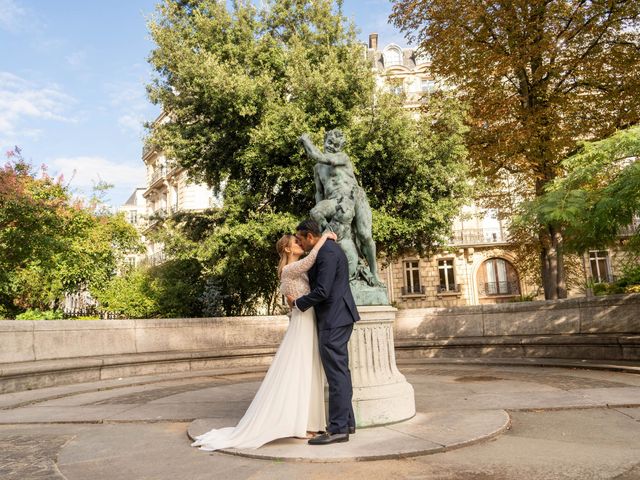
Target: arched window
<point>392,56</point>
<point>498,277</point>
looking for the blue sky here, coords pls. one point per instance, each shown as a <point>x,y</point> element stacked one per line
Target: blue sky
<point>72,84</point>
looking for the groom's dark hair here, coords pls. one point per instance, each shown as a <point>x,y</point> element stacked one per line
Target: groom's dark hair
<point>309,226</point>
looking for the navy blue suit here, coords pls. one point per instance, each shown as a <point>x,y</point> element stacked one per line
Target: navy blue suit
<point>336,313</point>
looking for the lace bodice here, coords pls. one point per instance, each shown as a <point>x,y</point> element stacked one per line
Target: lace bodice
<point>294,280</point>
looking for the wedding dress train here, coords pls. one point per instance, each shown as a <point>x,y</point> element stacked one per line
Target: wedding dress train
<point>290,400</point>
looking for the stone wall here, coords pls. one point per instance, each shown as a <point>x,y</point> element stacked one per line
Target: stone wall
<point>38,354</point>
<point>24,341</point>
<point>35,354</point>
<point>606,328</point>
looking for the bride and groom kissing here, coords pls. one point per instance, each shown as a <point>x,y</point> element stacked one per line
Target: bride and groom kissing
<point>290,400</point>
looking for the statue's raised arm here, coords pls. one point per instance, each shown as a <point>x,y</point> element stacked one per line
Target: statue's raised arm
<point>313,151</point>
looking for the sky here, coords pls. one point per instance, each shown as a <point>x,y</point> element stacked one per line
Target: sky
<point>72,85</point>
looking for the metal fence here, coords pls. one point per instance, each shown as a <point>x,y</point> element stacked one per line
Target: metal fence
<point>478,236</point>
<point>500,288</point>
<point>413,290</point>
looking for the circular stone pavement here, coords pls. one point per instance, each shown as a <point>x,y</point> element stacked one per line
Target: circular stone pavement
<point>424,434</point>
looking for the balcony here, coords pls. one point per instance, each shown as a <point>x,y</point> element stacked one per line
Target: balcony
<point>156,217</point>
<point>499,288</point>
<point>478,236</point>
<point>158,173</point>
<point>147,148</point>
<point>414,290</point>
<point>632,229</point>
<point>449,290</point>
<point>156,258</point>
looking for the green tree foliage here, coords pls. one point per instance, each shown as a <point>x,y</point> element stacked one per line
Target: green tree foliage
<point>169,290</point>
<point>130,295</point>
<point>50,243</point>
<point>538,76</point>
<point>240,85</point>
<point>237,254</point>
<point>600,194</point>
<point>413,170</point>
<point>597,199</point>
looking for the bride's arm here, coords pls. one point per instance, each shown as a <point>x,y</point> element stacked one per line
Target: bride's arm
<point>307,262</point>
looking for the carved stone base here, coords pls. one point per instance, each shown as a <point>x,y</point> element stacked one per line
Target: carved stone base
<point>365,294</point>
<point>381,394</point>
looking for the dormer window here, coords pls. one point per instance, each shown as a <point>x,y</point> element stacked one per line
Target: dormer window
<point>392,56</point>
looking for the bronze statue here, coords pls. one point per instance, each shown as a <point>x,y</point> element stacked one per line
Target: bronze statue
<point>342,206</point>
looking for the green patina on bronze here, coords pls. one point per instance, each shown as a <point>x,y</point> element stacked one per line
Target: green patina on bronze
<point>342,206</point>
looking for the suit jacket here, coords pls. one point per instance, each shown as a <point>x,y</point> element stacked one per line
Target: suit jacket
<point>330,293</point>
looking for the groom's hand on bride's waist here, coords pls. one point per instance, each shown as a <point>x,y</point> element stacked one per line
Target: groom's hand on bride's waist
<point>291,301</point>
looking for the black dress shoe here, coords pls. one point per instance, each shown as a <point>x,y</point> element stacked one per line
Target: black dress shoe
<point>328,437</point>
<point>352,430</point>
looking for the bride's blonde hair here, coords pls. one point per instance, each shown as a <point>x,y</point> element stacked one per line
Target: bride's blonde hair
<point>281,244</point>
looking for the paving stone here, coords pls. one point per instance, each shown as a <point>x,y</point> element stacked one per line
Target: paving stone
<point>30,456</point>
<point>552,434</point>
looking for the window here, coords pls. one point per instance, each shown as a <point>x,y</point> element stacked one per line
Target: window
<point>447,279</point>
<point>397,88</point>
<point>498,277</point>
<point>133,217</point>
<point>392,56</point>
<point>599,261</point>
<point>174,195</point>
<point>427,86</point>
<point>412,278</point>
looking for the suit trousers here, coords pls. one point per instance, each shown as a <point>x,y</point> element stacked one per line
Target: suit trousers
<point>334,354</point>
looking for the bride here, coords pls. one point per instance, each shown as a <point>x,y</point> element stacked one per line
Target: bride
<point>290,401</point>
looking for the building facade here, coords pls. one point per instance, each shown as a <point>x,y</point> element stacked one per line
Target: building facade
<point>477,266</point>
<point>168,190</point>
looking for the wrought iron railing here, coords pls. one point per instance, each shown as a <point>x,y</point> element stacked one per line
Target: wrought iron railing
<point>156,258</point>
<point>631,229</point>
<point>147,148</point>
<point>605,279</point>
<point>449,289</point>
<point>475,236</point>
<point>500,288</point>
<point>413,290</point>
<point>158,173</point>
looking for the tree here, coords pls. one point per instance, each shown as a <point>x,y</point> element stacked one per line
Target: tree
<point>169,290</point>
<point>50,243</point>
<point>538,76</point>
<point>241,86</point>
<point>598,197</point>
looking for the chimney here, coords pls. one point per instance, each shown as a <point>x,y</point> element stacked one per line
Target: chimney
<point>373,41</point>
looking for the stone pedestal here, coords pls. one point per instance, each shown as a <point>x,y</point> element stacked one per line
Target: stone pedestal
<point>381,394</point>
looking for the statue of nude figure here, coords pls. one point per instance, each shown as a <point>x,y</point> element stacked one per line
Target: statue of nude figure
<point>341,204</point>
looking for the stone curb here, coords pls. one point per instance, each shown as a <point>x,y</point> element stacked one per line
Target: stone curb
<point>424,434</point>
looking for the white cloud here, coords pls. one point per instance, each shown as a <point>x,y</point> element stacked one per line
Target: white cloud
<point>76,59</point>
<point>11,16</point>
<point>23,101</point>
<point>129,98</point>
<point>85,171</point>
<point>131,123</point>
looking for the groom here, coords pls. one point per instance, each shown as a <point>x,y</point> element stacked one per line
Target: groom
<point>336,313</point>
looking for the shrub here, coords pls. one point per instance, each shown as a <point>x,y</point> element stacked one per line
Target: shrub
<point>36,314</point>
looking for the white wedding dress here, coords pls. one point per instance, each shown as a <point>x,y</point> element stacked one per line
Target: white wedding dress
<point>290,400</point>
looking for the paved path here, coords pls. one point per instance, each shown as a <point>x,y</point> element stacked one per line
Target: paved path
<point>565,423</point>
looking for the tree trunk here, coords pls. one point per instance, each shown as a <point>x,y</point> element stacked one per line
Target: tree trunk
<point>552,263</point>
